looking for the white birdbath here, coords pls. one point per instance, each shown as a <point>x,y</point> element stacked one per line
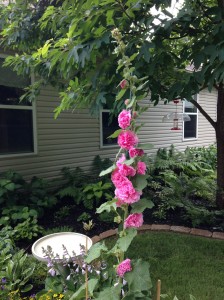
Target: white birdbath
<point>70,240</point>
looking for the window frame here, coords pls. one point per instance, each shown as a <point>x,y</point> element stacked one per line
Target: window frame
<point>34,121</point>
<point>196,98</point>
<point>102,146</point>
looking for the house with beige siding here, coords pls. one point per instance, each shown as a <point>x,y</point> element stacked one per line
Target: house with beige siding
<point>34,143</point>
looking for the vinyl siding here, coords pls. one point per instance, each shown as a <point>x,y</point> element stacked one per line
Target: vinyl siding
<point>159,134</point>
<point>73,139</point>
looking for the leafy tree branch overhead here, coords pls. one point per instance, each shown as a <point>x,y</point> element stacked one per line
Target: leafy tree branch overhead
<point>68,44</point>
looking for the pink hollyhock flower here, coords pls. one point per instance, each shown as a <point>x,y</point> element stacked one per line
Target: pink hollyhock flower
<point>127,139</point>
<point>123,84</point>
<point>126,170</point>
<point>118,179</point>
<point>127,194</point>
<point>135,152</point>
<point>141,168</point>
<point>134,220</point>
<point>124,119</point>
<point>124,267</point>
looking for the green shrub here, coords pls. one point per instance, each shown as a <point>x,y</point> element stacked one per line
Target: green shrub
<point>205,155</point>
<point>15,214</point>
<point>24,198</point>
<point>183,180</point>
<point>94,193</point>
<point>27,230</point>
<point>17,273</point>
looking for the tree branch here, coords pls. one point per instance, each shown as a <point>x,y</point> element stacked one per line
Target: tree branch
<point>204,113</point>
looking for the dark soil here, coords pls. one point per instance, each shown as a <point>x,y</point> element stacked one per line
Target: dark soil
<point>54,217</point>
<point>64,216</point>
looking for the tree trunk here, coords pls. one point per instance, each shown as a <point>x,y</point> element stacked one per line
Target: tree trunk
<point>220,148</point>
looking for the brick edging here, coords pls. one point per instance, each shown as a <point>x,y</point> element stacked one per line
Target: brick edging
<point>161,227</point>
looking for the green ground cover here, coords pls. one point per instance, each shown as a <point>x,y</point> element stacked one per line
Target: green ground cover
<point>185,264</point>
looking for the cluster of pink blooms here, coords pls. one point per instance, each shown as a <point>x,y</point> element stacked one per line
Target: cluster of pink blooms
<point>123,174</point>
<point>123,267</point>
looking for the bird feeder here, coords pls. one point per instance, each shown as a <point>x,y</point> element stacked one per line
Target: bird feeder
<point>176,117</point>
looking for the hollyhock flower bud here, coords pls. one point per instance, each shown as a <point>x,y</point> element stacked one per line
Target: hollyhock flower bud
<point>119,203</point>
<point>123,84</point>
<point>124,119</point>
<point>134,114</point>
<point>141,168</point>
<point>127,139</point>
<point>126,102</point>
<point>135,152</point>
<point>124,267</point>
<point>134,220</point>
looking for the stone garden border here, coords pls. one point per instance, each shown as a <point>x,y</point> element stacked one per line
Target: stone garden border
<point>162,227</point>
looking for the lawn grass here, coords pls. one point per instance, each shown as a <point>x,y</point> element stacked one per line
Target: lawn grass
<point>185,264</point>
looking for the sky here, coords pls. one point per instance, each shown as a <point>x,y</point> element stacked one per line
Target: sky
<point>176,4</point>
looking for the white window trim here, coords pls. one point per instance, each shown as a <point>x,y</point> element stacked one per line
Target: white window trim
<point>34,119</point>
<point>102,146</point>
<point>191,114</point>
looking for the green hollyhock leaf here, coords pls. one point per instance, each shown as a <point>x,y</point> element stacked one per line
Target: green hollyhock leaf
<point>140,182</point>
<point>91,285</point>
<point>107,171</point>
<point>81,292</point>
<point>54,283</point>
<point>95,252</point>
<point>124,242</point>
<point>139,278</point>
<point>108,206</point>
<point>120,94</point>
<point>110,293</point>
<point>141,205</point>
<point>129,162</point>
<point>131,102</point>
<point>136,295</point>
<point>115,134</point>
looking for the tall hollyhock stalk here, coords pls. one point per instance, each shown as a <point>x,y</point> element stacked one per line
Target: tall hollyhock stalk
<point>127,172</point>
<point>130,279</point>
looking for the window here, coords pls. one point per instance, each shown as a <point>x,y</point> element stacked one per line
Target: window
<point>107,127</point>
<point>16,118</point>
<point>190,128</point>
